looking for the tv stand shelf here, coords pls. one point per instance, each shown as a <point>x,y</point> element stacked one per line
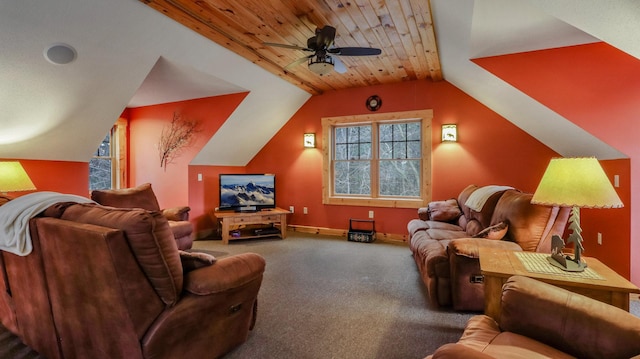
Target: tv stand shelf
<point>230,220</point>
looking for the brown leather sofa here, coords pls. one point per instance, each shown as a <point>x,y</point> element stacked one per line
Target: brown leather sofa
<point>104,282</point>
<point>445,239</point>
<point>143,197</point>
<point>539,320</point>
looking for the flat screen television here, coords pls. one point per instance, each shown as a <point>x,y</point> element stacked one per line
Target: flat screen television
<point>247,192</point>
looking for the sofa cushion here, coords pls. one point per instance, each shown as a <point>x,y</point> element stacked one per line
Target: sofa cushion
<point>137,197</point>
<point>195,260</point>
<point>415,225</point>
<point>470,247</point>
<point>473,227</point>
<point>496,232</point>
<point>150,238</point>
<point>423,213</point>
<point>527,222</point>
<point>444,211</point>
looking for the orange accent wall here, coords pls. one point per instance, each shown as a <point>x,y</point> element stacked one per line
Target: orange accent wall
<point>597,87</point>
<point>172,185</point>
<point>490,151</point>
<point>57,176</point>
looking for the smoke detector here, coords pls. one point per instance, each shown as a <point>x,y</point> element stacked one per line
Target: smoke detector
<point>60,54</point>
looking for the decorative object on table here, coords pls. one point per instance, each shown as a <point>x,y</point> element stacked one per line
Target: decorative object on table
<point>373,103</point>
<point>175,138</point>
<point>361,230</point>
<point>13,178</point>
<point>576,183</point>
<point>450,133</point>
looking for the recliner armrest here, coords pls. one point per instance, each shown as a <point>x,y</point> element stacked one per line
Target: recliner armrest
<point>180,213</point>
<point>470,247</point>
<point>575,324</point>
<point>456,351</point>
<point>227,273</point>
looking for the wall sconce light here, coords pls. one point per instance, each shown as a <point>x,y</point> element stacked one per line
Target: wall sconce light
<point>309,140</point>
<point>449,133</point>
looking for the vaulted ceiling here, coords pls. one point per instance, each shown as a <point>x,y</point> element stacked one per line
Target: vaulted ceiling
<point>139,53</point>
<point>403,30</point>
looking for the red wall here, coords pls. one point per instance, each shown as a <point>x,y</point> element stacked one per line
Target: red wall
<point>171,185</point>
<point>57,176</point>
<point>490,151</point>
<point>597,87</point>
<point>204,196</point>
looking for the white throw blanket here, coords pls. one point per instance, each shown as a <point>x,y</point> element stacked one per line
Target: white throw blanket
<point>478,197</point>
<point>15,216</point>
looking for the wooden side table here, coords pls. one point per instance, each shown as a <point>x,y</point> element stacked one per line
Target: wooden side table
<point>230,220</point>
<point>598,281</point>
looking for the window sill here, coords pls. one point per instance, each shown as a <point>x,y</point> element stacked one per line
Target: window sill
<point>376,202</point>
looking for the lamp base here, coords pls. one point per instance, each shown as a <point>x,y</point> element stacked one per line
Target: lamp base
<point>566,263</point>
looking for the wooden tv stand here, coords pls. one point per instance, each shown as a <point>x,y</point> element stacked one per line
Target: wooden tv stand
<point>230,220</point>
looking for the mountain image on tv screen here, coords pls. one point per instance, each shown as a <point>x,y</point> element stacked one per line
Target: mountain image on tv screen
<point>247,190</point>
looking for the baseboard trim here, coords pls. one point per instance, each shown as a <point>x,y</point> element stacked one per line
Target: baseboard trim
<point>383,237</point>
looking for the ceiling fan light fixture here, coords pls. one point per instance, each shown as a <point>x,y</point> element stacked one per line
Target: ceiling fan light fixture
<point>321,66</point>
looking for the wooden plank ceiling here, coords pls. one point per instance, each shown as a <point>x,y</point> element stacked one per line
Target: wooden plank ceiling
<point>402,29</point>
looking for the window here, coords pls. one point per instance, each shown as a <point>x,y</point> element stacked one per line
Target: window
<point>381,159</point>
<point>108,165</point>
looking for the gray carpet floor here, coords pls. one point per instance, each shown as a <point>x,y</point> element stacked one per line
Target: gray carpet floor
<point>326,297</point>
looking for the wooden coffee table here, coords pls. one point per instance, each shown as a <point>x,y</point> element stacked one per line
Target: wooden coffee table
<point>598,281</point>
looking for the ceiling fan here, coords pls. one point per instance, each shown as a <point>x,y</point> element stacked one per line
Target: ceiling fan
<point>324,57</point>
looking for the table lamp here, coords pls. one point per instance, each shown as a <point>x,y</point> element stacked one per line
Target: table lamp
<point>576,183</point>
<point>13,178</point>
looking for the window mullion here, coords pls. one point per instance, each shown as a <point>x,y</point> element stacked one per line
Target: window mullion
<point>375,165</point>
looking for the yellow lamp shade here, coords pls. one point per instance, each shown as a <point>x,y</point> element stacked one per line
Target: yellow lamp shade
<point>13,178</point>
<point>579,182</point>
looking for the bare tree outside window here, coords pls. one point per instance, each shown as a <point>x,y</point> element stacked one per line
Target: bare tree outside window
<point>378,159</point>
<point>352,165</point>
<point>107,167</point>
<point>400,156</point>
<point>101,166</point>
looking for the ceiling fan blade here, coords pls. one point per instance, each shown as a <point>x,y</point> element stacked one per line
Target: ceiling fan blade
<point>325,36</point>
<point>355,51</point>
<point>338,65</point>
<point>297,62</point>
<point>292,47</point>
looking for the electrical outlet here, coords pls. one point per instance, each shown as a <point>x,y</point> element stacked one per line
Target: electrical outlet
<point>370,214</point>
<point>305,210</point>
<point>599,238</point>
<point>616,181</point>
<point>199,177</point>
<point>291,209</point>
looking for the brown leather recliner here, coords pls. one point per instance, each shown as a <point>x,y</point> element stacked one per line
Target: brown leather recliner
<point>104,282</point>
<point>539,320</point>
<point>143,197</point>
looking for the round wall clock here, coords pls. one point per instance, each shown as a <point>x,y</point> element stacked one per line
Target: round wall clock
<point>374,102</point>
